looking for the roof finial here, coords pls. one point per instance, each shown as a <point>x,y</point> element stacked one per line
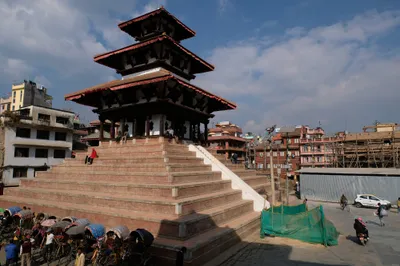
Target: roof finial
<point>161,7</point>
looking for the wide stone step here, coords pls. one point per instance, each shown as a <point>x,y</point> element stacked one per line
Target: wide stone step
<point>142,159</point>
<point>135,203</point>
<point>137,177</point>
<point>165,191</point>
<point>138,147</point>
<point>255,180</point>
<point>209,244</point>
<point>150,167</point>
<point>139,154</point>
<point>166,226</point>
<point>135,154</point>
<point>244,172</point>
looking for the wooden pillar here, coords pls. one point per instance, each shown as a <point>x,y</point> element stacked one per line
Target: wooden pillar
<point>101,137</point>
<point>112,129</point>
<point>147,126</point>
<point>162,119</point>
<point>191,131</point>
<point>206,133</point>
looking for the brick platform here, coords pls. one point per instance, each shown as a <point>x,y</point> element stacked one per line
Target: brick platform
<point>150,184</point>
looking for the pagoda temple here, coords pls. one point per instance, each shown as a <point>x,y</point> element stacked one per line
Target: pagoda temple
<point>154,93</point>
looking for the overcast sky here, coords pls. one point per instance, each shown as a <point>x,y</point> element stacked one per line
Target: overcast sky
<point>283,62</point>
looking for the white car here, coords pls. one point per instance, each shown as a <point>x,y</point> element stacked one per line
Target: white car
<point>368,200</point>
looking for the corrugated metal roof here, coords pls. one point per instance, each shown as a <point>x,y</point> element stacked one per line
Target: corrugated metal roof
<point>351,171</point>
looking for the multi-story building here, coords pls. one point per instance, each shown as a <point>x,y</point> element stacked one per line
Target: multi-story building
<point>317,149</point>
<point>226,139</point>
<point>33,139</point>
<point>285,154</point>
<point>5,104</point>
<point>29,93</point>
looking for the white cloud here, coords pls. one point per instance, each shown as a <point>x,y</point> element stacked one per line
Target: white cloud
<point>306,76</point>
<point>222,5</point>
<point>60,38</point>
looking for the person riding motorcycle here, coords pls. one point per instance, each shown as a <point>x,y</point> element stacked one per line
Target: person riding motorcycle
<point>343,201</point>
<point>360,227</point>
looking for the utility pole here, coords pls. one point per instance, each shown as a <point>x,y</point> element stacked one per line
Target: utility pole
<point>272,173</point>
<point>287,168</point>
<point>268,139</point>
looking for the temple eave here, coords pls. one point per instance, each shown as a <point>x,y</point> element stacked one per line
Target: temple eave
<point>90,96</point>
<point>124,26</point>
<point>113,58</point>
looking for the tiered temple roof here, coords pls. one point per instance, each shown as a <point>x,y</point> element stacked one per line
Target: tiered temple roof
<point>155,90</point>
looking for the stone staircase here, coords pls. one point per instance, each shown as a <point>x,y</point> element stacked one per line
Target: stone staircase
<point>259,182</point>
<point>151,184</point>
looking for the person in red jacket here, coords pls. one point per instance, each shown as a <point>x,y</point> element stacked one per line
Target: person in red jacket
<point>89,160</point>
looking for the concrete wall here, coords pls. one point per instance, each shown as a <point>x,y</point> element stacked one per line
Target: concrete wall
<point>330,187</point>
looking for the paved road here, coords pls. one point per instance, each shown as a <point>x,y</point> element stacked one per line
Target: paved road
<point>383,248</point>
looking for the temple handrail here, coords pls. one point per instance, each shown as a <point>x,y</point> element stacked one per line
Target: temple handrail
<point>248,193</point>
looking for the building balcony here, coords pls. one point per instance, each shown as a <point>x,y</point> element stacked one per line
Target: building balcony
<point>315,163</point>
<point>319,140</point>
<point>225,138</point>
<point>316,152</point>
<point>223,148</point>
<point>42,143</point>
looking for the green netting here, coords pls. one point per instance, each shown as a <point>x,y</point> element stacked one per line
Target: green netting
<point>298,223</point>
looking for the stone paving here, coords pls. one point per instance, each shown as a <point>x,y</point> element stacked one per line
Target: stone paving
<point>383,248</point>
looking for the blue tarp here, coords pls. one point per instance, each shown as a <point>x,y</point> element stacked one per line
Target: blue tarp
<point>14,210</point>
<point>97,230</point>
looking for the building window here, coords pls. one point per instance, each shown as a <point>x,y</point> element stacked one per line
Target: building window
<point>282,154</point>
<point>41,153</point>
<point>19,172</point>
<point>23,132</point>
<point>274,154</point>
<point>8,107</point>
<point>13,108</point>
<point>268,154</point>
<point>44,118</point>
<point>60,154</point>
<point>42,134</point>
<point>21,152</point>
<point>62,120</point>
<point>296,140</point>
<point>40,169</point>
<point>20,95</point>
<point>60,136</point>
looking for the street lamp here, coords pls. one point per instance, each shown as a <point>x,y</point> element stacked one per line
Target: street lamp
<point>268,140</point>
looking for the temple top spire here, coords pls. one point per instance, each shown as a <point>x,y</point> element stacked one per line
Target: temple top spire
<point>155,23</point>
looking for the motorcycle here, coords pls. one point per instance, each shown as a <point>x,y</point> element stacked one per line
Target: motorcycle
<point>362,238</point>
<point>344,205</point>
